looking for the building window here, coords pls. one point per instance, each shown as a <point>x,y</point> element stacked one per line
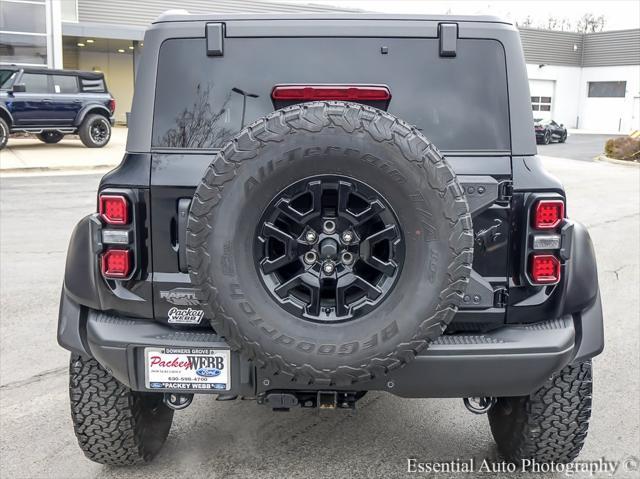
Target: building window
<point>607,89</point>
<point>23,32</point>
<point>541,103</point>
<point>22,17</point>
<point>21,49</point>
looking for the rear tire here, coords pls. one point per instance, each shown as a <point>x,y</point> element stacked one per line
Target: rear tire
<point>50,137</point>
<point>4,133</point>
<point>113,424</point>
<point>549,425</point>
<point>95,131</point>
<point>547,138</point>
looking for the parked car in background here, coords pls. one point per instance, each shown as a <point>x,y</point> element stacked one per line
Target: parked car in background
<point>54,103</point>
<point>549,130</point>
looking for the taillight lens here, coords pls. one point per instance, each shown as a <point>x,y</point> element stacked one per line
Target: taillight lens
<point>545,269</point>
<point>114,209</point>
<point>112,106</point>
<point>330,92</point>
<point>548,214</point>
<point>116,263</point>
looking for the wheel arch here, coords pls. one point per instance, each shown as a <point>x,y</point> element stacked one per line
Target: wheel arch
<point>6,115</point>
<point>89,109</point>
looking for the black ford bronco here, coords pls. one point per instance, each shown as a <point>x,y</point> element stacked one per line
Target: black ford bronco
<point>313,207</point>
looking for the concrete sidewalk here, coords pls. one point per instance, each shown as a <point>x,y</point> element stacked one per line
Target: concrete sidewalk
<point>31,155</point>
<point>582,131</point>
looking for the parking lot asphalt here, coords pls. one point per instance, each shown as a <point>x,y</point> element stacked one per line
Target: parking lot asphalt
<point>240,439</point>
<point>578,146</point>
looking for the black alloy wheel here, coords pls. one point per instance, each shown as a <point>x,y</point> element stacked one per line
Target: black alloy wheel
<point>99,131</point>
<point>329,248</point>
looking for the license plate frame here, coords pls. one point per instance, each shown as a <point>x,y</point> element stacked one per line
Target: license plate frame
<point>187,369</point>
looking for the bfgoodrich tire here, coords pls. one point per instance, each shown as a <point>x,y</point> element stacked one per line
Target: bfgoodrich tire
<point>341,144</point>
<point>549,425</point>
<point>113,424</point>
<point>95,131</point>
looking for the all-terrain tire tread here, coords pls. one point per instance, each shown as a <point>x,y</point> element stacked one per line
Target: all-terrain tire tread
<point>549,425</point>
<point>107,416</point>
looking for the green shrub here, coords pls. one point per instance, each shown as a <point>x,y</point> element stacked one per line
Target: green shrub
<point>623,148</point>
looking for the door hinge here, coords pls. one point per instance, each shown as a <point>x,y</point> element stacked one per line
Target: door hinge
<point>505,192</point>
<point>448,34</point>
<point>500,298</point>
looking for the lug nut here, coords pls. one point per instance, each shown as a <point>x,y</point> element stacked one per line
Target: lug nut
<point>329,227</point>
<point>347,258</point>
<point>311,236</point>
<point>347,237</point>
<point>310,257</point>
<point>328,267</point>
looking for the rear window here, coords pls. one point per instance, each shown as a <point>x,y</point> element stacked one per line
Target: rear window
<point>459,103</point>
<point>92,85</point>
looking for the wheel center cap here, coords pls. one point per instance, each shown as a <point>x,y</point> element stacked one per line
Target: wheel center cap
<point>328,248</point>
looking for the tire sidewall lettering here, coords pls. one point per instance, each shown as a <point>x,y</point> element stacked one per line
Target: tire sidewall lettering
<point>387,333</point>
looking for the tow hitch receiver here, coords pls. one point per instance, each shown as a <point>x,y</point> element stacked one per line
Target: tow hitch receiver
<point>327,399</point>
<point>285,400</point>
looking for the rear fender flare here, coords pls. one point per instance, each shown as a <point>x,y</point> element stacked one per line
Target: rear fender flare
<point>6,114</point>
<point>582,272</point>
<point>93,108</point>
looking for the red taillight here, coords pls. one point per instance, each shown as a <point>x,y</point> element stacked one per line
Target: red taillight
<point>548,214</point>
<point>330,92</point>
<point>116,263</point>
<point>545,269</point>
<point>114,209</point>
<point>112,106</point>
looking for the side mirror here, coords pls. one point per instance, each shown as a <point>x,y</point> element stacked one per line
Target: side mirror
<point>19,88</point>
<point>561,125</point>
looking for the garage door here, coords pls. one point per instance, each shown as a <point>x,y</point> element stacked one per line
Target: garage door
<point>542,93</point>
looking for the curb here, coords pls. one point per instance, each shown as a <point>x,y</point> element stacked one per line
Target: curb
<point>606,159</point>
<point>56,170</point>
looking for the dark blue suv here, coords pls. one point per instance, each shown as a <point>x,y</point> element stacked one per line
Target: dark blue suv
<point>53,103</point>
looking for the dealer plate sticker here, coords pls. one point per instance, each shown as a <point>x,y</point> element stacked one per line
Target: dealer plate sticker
<point>187,368</point>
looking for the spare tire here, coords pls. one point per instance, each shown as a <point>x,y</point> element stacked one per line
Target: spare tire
<point>329,242</point>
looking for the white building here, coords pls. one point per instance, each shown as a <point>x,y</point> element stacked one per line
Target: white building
<point>589,81</point>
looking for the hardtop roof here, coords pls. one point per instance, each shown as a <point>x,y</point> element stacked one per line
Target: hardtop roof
<point>184,16</point>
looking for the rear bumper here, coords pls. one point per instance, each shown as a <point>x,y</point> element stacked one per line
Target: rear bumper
<point>511,361</point>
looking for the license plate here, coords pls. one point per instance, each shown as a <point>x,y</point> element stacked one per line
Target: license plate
<point>188,368</point>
